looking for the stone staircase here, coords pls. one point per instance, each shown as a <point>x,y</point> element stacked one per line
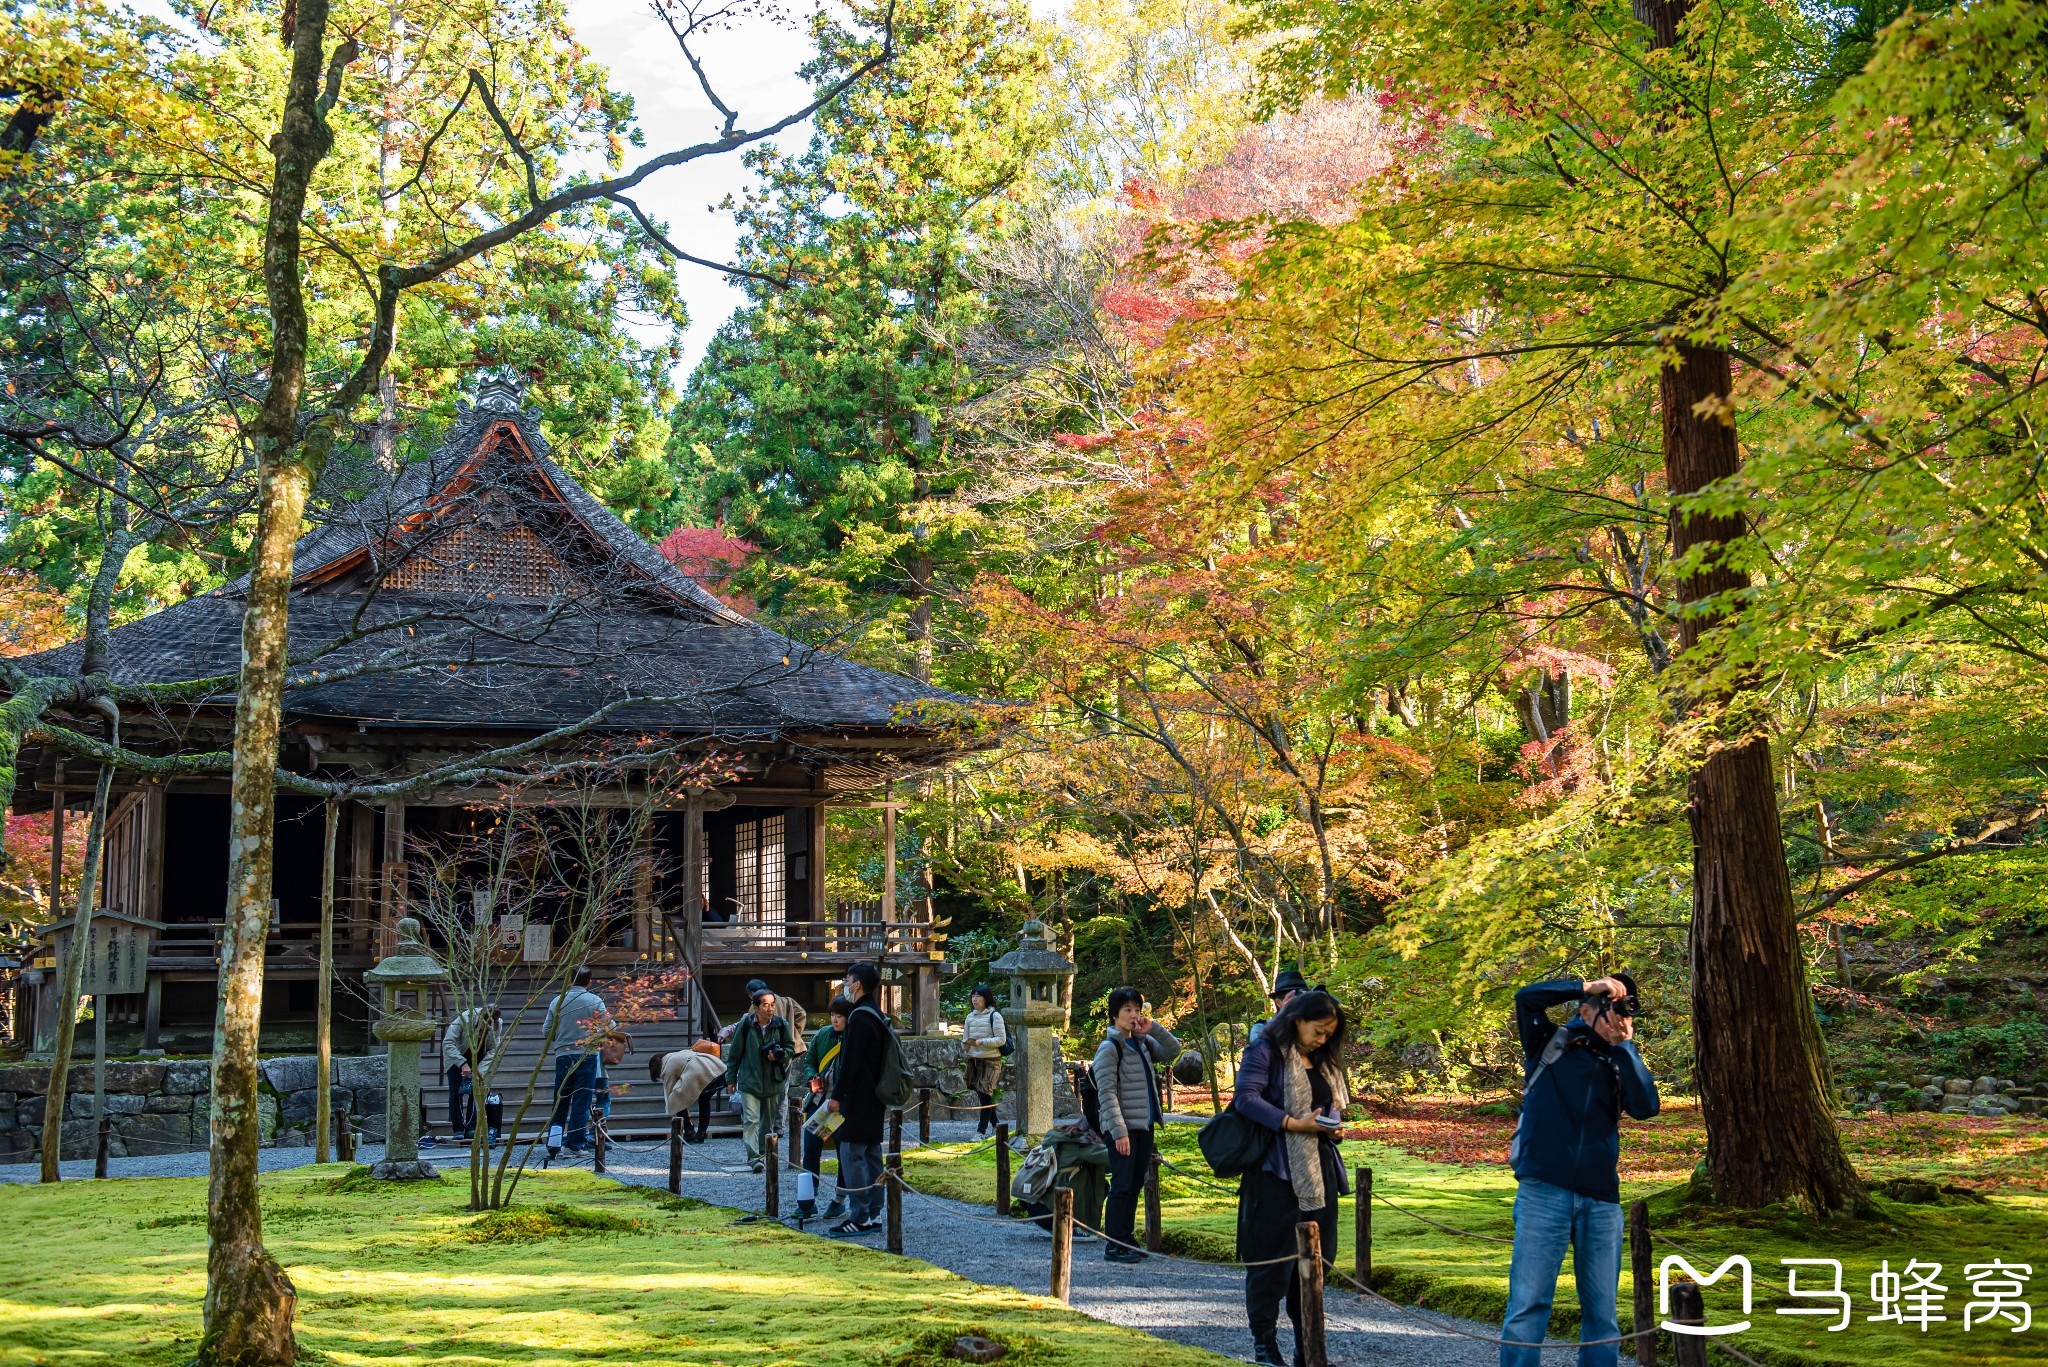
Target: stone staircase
<point>636,1112</point>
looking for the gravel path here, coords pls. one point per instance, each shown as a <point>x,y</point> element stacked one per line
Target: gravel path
<point>1188,1302</point>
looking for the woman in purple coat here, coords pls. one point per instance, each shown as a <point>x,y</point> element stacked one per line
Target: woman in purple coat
<point>1292,1082</point>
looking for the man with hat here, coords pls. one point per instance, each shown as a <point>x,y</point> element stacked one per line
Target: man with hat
<point>1289,985</point>
<point>791,1011</point>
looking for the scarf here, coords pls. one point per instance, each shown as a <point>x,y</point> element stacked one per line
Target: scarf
<point>1305,1151</point>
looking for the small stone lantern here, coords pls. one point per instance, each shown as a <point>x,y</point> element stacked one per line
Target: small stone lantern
<point>1041,1000</point>
<point>406,975</point>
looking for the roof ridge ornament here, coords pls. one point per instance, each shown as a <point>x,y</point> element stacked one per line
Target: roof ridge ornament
<point>502,391</point>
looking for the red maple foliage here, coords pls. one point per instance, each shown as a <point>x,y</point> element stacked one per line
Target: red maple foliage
<point>711,557</point>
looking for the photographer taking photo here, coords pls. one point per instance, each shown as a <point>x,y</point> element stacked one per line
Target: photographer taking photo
<point>1579,1078</point>
<point>758,1057</point>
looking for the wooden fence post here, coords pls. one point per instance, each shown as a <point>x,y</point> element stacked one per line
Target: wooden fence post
<point>99,1159</point>
<point>1308,1249</point>
<point>1003,1168</point>
<point>598,1144</point>
<point>1361,1232</point>
<point>796,1131</point>
<point>345,1143</point>
<point>1688,1307</point>
<point>771,1169</point>
<point>675,1156</point>
<point>1152,1231</point>
<point>1639,1261</point>
<point>924,1115</point>
<point>1063,1244</point>
<point>893,1176</point>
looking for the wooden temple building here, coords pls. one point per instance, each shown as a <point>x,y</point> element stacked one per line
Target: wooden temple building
<point>471,601</point>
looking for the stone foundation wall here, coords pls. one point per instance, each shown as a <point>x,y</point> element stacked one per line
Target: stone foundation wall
<point>935,1062</point>
<point>160,1106</point>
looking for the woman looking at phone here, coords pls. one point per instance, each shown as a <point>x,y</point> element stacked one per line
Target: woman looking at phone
<point>1292,1082</point>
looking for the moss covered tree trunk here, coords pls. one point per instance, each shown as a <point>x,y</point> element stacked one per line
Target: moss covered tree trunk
<point>249,1299</point>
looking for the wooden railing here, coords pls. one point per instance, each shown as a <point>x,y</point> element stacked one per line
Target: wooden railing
<point>819,937</point>
<point>198,943</point>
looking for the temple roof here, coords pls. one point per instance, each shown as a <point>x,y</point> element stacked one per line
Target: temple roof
<point>485,587</point>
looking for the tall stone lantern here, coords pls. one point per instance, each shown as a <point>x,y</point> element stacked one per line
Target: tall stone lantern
<point>405,975</point>
<point>1041,999</point>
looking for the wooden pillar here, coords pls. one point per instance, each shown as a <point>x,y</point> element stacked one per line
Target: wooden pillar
<point>362,875</point>
<point>693,906</point>
<point>153,1014</point>
<point>643,887</point>
<point>394,876</point>
<point>889,855</point>
<point>154,805</point>
<point>1644,1279</point>
<point>924,999</point>
<point>57,852</point>
<point>817,883</point>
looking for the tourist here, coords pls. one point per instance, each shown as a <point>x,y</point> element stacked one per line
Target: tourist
<point>688,1077</point>
<point>984,1039</point>
<point>862,1050</point>
<point>1579,1078</point>
<point>1291,1081</point>
<point>1127,1100</point>
<point>758,1056</point>
<point>574,1021</point>
<point>1286,987</point>
<point>471,1047</point>
<point>821,1070</point>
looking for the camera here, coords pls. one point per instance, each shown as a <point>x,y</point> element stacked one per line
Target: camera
<point>1629,1005</point>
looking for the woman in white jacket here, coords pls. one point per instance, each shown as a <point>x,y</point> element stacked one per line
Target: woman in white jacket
<point>981,1045</point>
<point>685,1075</point>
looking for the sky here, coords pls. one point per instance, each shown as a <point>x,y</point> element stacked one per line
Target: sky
<point>753,68</point>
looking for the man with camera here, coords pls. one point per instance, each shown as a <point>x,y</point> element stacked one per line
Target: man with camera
<point>758,1056</point>
<point>1579,1078</point>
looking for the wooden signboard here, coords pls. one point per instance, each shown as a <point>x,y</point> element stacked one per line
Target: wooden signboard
<point>540,942</point>
<point>116,952</point>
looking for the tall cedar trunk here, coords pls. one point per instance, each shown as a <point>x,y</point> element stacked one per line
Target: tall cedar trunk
<point>249,1299</point>
<point>1759,1059</point>
<point>323,1013</point>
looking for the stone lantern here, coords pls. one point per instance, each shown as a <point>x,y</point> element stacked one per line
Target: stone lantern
<point>406,975</point>
<point>1041,999</point>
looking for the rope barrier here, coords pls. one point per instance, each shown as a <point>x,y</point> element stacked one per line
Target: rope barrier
<point>1448,1229</point>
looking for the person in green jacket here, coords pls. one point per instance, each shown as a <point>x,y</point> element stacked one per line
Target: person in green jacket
<point>821,1070</point>
<point>758,1057</point>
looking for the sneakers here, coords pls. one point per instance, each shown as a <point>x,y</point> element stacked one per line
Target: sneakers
<point>1266,1351</point>
<point>428,1141</point>
<point>847,1229</point>
<point>757,1165</point>
<point>837,1210</point>
<point>1117,1253</point>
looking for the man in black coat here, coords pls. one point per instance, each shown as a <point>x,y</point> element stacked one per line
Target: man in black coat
<point>865,1045</point>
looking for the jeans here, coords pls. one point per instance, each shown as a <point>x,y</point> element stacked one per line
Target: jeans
<point>860,1179</point>
<point>1126,1182</point>
<point>575,1094</point>
<point>1546,1219</point>
<point>461,1103</point>
<point>758,1118</point>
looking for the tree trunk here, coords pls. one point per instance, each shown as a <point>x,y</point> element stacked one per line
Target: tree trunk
<point>323,1016</point>
<point>1759,1058</point>
<point>249,1300</point>
<point>57,1096</point>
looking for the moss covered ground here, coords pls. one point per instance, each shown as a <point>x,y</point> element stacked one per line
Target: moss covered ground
<point>581,1270</point>
<point>1421,1265</point>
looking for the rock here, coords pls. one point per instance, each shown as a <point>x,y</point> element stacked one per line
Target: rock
<point>296,1108</point>
<point>1955,1108</point>
<point>164,1103</point>
<point>155,1132</point>
<point>139,1078</point>
<point>266,1117</point>
<point>1985,1086</point>
<point>1924,1080</point>
<point>1985,1109</point>
<point>361,1073</point>
<point>291,1074</point>
<point>79,1139</point>
<point>291,1138</point>
<point>418,1171</point>
<point>1956,1086</point>
<point>189,1076</point>
<point>124,1103</point>
<point>1911,1191</point>
<point>2031,1105</point>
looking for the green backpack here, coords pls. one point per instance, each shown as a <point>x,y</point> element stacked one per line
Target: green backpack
<point>892,1084</point>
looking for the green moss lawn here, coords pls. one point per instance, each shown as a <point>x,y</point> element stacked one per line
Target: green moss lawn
<point>581,1270</point>
<point>1420,1265</point>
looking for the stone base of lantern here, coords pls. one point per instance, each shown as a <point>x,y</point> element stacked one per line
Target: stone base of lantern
<point>406,1170</point>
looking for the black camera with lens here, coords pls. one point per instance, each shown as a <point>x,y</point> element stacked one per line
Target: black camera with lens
<point>1606,1004</point>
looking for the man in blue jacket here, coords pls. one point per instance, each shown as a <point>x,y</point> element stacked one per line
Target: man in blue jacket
<point>1580,1077</point>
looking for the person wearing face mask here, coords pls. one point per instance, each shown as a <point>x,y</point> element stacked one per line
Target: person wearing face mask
<point>1127,1092</point>
<point>1291,1081</point>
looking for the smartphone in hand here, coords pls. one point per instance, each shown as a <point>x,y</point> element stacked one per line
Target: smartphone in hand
<point>1328,1122</point>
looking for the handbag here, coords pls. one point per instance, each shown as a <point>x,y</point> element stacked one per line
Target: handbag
<point>1232,1144</point>
<point>614,1047</point>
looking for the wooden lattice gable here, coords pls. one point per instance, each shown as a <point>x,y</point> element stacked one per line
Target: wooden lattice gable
<point>489,516</point>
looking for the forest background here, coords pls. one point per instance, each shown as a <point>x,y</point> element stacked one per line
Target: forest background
<point>1270,417</point>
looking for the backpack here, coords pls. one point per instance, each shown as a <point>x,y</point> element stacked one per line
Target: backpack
<point>892,1082</point>
<point>1088,1096</point>
<point>1034,1180</point>
<point>1552,1051</point>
